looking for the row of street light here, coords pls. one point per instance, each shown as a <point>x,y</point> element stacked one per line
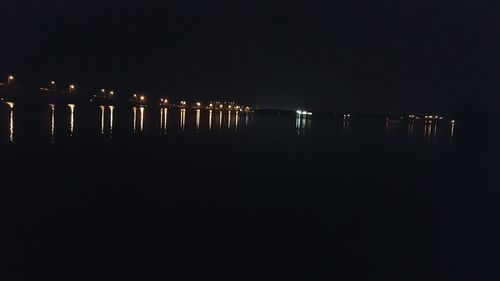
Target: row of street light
<point>138,98</point>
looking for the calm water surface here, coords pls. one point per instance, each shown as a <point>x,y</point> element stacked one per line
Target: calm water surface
<point>103,192</point>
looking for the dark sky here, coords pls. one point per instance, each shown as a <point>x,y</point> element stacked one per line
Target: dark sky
<point>359,56</point>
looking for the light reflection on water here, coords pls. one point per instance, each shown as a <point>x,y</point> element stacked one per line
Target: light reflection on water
<point>134,122</point>
<point>11,122</point>
<point>163,119</point>
<point>111,119</point>
<point>102,119</point>
<point>236,121</point>
<point>52,122</point>
<point>220,121</point>
<point>411,128</point>
<point>432,130</point>
<point>301,123</point>
<point>141,110</point>
<point>183,118</point>
<point>452,131</point>
<point>210,120</point>
<point>198,113</point>
<point>72,119</point>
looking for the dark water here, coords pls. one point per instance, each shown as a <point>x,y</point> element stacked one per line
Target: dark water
<point>95,193</point>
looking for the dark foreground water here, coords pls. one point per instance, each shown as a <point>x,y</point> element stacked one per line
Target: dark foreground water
<point>100,194</point>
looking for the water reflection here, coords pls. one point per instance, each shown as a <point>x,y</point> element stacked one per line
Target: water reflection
<point>452,131</point>
<point>246,120</point>
<point>52,123</point>
<point>102,118</point>
<point>71,119</point>
<point>111,119</point>
<point>301,123</point>
<point>163,119</point>
<point>11,121</point>
<point>220,121</point>
<point>210,120</point>
<point>198,113</point>
<point>134,122</point>
<point>183,118</point>
<point>141,110</point>
<point>236,121</point>
<point>411,127</point>
<point>229,120</point>
<point>430,129</point>
<point>346,124</point>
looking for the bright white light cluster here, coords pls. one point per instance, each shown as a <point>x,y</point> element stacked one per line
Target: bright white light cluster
<point>300,112</point>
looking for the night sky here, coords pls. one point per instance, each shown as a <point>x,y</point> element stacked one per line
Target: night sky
<point>357,56</point>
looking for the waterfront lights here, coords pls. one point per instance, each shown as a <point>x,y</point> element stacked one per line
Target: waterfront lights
<point>10,79</point>
<point>142,98</point>
<point>221,106</point>
<point>71,88</point>
<point>112,93</point>
<point>211,105</point>
<point>198,104</point>
<point>183,103</point>
<point>299,112</point>
<point>135,95</point>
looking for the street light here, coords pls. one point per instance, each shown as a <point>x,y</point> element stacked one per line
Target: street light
<point>71,88</point>
<point>198,104</point>
<point>53,85</point>
<point>142,98</point>
<point>10,78</point>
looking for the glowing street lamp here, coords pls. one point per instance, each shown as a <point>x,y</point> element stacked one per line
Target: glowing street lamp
<point>142,98</point>
<point>198,104</point>
<point>10,79</point>
<point>183,103</point>
<point>71,88</point>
